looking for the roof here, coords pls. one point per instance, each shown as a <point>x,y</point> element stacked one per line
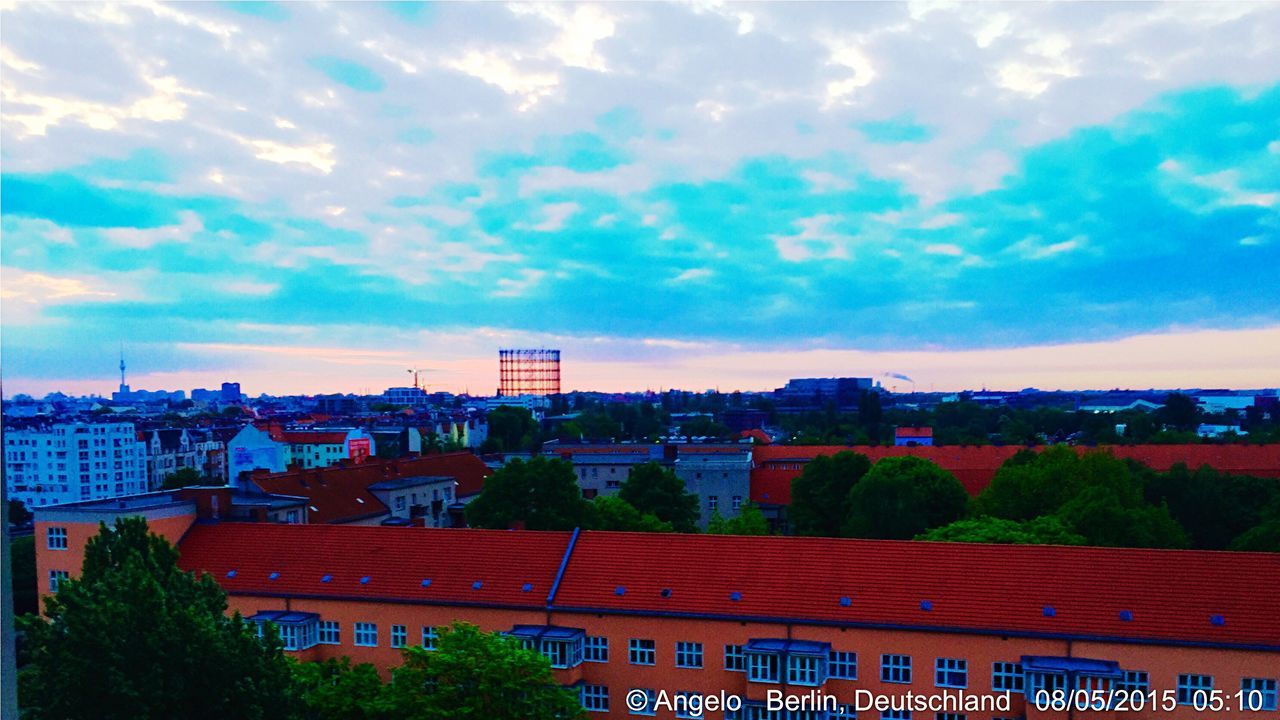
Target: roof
<point>314,437</point>
<point>1119,594</point>
<point>341,493</point>
<point>906,432</point>
<point>411,481</point>
<point>975,465</point>
<point>444,566</point>
<point>812,579</point>
<point>756,435</point>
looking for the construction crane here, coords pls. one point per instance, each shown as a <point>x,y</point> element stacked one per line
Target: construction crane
<point>416,372</point>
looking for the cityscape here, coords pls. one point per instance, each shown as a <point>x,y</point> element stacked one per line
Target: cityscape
<point>755,361</point>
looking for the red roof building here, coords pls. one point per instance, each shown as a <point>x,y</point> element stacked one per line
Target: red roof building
<point>774,466</point>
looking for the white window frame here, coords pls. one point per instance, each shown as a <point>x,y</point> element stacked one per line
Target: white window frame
<point>1006,677</point>
<point>735,658</point>
<point>430,637</point>
<point>842,665</point>
<point>362,633</point>
<point>595,648</point>
<point>1267,687</point>
<point>595,698</point>
<point>399,636</point>
<point>330,632</point>
<point>56,538</point>
<point>1192,686</point>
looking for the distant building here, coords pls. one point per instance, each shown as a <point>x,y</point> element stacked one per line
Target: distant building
<point>844,391</point>
<point>72,462</point>
<point>337,404</point>
<point>720,475</point>
<point>1213,431</point>
<point>406,396</point>
<point>913,436</point>
<point>168,451</point>
<point>1105,405</point>
<point>204,396</point>
<point>322,448</point>
<point>231,392</point>
<point>1218,404</point>
<point>253,449</point>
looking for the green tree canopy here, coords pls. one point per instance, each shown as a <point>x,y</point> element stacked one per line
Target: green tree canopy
<point>1214,507</point>
<point>22,568</point>
<point>541,493</point>
<point>337,690</point>
<point>820,494</point>
<point>1261,538</point>
<point>901,497</point>
<point>1179,412</point>
<point>137,638</point>
<point>614,513</point>
<point>474,674</point>
<point>183,477</point>
<point>1047,530</point>
<point>1035,484</point>
<point>511,429</point>
<point>1106,517</point>
<point>655,490</point>
<point>748,521</point>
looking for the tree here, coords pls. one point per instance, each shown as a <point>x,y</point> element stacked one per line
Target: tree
<point>474,674</point>
<point>1107,518</point>
<point>1214,507</point>
<point>22,567</point>
<point>1179,412</point>
<point>749,521</point>
<point>820,494</point>
<point>901,497</point>
<point>136,637</point>
<point>18,513</point>
<point>511,429</point>
<point>614,513</point>
<point>1262,538</point>
<point>183,477</point>
<point>540,493</point>
<point>653,489</point>
<point>1047,530</point>
<point>337,690</point>
<point>1031,484</point>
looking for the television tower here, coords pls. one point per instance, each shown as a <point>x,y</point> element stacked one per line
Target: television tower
<point>123,387</point>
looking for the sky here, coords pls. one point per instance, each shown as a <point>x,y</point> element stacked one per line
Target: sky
<point>316,198</point>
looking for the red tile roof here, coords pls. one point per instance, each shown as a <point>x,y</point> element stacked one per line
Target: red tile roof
<point>314,437</point>
<point>395,559</point>
<point>1171,594</point>
<point>341,493</point>
<point>974,465</point>
<point>910,432</point>
<point>758,436</point>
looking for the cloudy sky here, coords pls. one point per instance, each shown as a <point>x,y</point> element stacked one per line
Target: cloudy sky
<point>317,197</point>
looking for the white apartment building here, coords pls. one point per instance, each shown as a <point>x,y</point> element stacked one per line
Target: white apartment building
<point>72,462</point>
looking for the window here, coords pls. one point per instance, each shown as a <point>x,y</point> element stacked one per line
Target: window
<point>895,715</point>
<point>1131,683</point>
<point>737,503</point>
<point>895,668</point>
<point>649,706</point>
<point>844,712</point>
<point>595,698</point>
<point>688,705</point>
<point>1006,677</point>
<point>55,577</point>
<point>713,503</point>
<point>596,648</point>
<point>951,673</point>
<point>688,655</point>
<point>734,658</point>
<point>429,637</point>
<point>762,667</point>
<point>950,716</point>
<point>399,636</point>
<point>804,669</point>
<point>56,538</point>
<point>563,653</point>
<point>366,634</point>
<point>843,665</point>
<point>330,634</point>
<point>1258,694</point>
<point>1195,689</point>
<point>642,652</point>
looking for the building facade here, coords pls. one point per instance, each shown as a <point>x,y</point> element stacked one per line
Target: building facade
<point>669,615</point>
<point>72,462</point>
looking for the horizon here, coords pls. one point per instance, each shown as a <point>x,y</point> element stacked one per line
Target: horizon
<point>313,199</point>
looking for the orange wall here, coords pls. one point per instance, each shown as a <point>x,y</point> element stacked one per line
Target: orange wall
<point>78,535</point>
<point>1162,663</point>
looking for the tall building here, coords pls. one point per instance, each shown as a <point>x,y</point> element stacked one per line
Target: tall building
<point>72,462</point>
<point>528,372</point>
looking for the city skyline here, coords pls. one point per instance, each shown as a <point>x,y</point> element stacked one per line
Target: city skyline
<point>311,199</point>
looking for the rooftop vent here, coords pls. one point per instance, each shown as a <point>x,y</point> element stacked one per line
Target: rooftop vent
<point>326,578</point>
<point>364,580</point>
<point>1049,611</point>
<point>620,590</point>
<point>735,596</point>
<point>1126,615</point>
<point>1217,620</point>
<point>477,585</point>
<point>665,592</point>
<point>845,601</point>
<point>426,582</point>
<point>231,573</point>
<point>527,587</point>
<point>274,576</point>
<point>926,605</point>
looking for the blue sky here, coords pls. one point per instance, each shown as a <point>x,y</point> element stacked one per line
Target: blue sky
<point>314,198</point>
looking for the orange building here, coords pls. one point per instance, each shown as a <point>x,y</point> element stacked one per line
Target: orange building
<point>696,618</point>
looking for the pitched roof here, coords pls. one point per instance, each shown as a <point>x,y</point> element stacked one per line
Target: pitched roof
<point>396,561</point>
<point>886,582</point>
<point>905,432</point>
<point>975,465</point>
<point>314,437</point>
<point>341,493</point>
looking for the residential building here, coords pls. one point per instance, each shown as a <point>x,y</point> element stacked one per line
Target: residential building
<point>701,614</point>
<point>70,462</point>
<point>168,451</point>
<point>913,436</point>
<point>322,448</point>
<point>720,475</point>
<point>254,449</point>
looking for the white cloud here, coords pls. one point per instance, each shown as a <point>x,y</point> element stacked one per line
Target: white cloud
<point>949,249</point>
<point>143,238</point>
